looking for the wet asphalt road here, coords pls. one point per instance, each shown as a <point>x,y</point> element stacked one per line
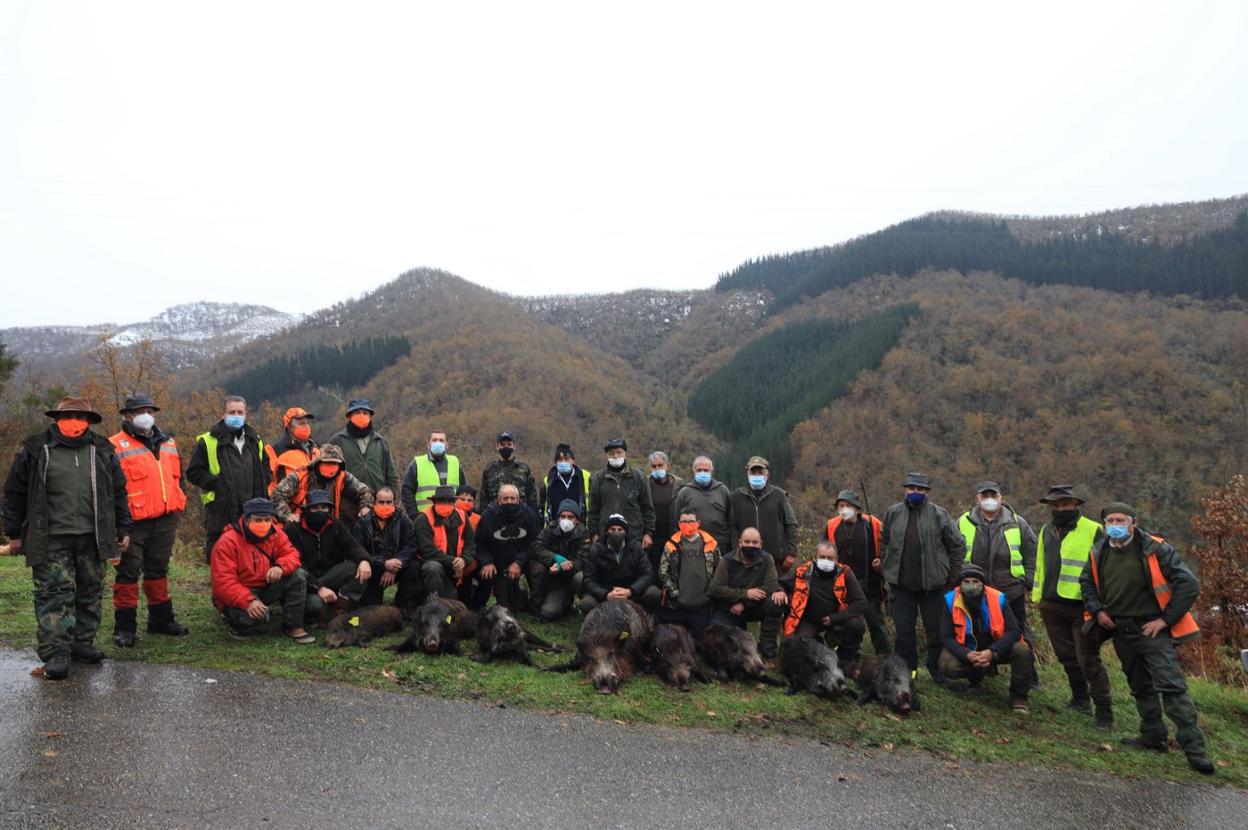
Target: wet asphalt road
<point>134,745</point>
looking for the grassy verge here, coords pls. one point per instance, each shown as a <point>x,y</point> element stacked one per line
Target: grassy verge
<point>956,724</point>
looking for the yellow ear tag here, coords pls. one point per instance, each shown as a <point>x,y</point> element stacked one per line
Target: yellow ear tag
<point>353,621</point>
<point>623,635</point>
<point>448,619</point>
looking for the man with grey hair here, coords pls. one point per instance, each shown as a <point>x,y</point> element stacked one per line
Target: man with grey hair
<point>663,486</point>
<point>230,467</point>
<point>709,499</point>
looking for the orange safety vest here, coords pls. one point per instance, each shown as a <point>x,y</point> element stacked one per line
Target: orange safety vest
<point>801,593</point>
<point>835,522</point>
<point>995,601</point>
<point>290,460</point>
<point>439,532</point>
<point>153,483</point>
<point>301,495</point>
<point>472,519</point>
<point>1186,627</point>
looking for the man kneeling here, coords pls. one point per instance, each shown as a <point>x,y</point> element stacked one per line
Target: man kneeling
<point>828,601</point>
<point>253,566</point>
<point>980,632</point>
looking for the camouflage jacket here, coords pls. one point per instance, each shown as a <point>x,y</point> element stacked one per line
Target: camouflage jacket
<point>499,472</point>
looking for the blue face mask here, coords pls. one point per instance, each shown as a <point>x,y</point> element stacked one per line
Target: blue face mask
<point>235,422</point>
<point>437,447</point>
<point>916,499</point>
<point>658,475</point>
<point>1117,532</point>
<point>758,482</point>
<point>564,467</point>
<point>702,478</point>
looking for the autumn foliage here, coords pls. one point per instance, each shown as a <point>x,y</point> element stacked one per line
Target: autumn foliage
<point>1222,608</point>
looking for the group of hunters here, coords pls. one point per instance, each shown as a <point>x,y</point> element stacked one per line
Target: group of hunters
<point>317,528</point>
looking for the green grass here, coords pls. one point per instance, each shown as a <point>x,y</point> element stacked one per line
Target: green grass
<point>954,724</point>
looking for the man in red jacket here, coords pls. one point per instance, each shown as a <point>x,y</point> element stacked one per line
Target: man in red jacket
<point>253,566</point>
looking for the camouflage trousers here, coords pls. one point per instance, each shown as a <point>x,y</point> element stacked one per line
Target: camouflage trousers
<point>68,584</point>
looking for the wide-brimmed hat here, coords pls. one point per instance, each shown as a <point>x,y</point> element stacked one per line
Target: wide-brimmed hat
<point>138,401</point>
<point>75,406</point>
<point>445,492</point>
<point>1057,492</point>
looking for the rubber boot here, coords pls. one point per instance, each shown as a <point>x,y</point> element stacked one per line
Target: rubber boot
<point>125,623</point>
<point>160,620</point>
<point>1104,717</point>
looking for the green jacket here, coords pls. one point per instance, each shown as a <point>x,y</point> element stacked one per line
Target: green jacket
<point>734,576</point>
<point>626,493</point>
<point>374,466</point>
<point>940,543</point>
<point>1184,585</point>
<point>26,496</point>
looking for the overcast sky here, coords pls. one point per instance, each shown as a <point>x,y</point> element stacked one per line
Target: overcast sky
<point>297,154</point>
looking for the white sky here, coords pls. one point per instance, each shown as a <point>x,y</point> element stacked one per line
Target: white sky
<point>296,154</point>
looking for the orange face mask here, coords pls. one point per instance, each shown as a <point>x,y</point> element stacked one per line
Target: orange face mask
<point>443,509</point>
<point>302,432</point>
<point>328,469</point>
<point>360,420</point>
<point>465,505</point>
<point>260,527</point>
<point>71,427</point>
<point>383,511</point>
<point>689,528</point>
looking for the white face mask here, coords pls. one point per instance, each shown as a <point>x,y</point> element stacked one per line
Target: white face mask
<point>144,421</point>
<point>825,565</point>
<point>616,463</point>
<point>566,525</point>
<point>990,505</point>
<point>847,513</point>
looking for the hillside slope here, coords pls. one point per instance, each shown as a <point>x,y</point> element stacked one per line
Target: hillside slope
<point>1136,399</point>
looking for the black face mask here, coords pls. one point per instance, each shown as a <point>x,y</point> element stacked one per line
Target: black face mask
<point>509,511</point>
<point>1065,518</point>
<point>506,453</point>
<point>616,540</point>
<point>750,552</point>
<point>316,519</point>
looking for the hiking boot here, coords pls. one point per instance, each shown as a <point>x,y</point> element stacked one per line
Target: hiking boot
<point>86,654</point>
<point>160,621</point>
<point>1201,764</point>
<point>937,677</point>
<point>1018,706</point>
<point>1141,742</point>
<point>57,667</point>
<point>1104,718</point>
<point>1081,705</point>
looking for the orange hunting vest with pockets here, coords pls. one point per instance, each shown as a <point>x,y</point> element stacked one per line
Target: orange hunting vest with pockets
<point>801,593</point>
<point>1186,627</point>
<point>153,484</point>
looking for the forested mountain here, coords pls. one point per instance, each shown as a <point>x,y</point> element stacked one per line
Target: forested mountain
<point>844,365</point>
<point>1213,264</point>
